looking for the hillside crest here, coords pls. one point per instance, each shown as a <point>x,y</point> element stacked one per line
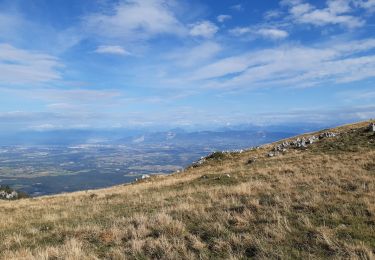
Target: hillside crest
<point>315,200</point>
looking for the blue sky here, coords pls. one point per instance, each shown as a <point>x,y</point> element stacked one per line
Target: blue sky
<point>178,63</point>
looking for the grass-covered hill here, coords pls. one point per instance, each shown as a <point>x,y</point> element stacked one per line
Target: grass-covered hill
<point>302,202</point>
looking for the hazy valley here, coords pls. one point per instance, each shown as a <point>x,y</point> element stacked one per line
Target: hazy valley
<point>310,196</point>
<point>51,164</point>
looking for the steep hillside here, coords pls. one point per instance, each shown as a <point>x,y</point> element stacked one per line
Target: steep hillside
<point>293,200</point>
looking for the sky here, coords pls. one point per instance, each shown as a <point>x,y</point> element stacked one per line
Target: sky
<point>101,64</point>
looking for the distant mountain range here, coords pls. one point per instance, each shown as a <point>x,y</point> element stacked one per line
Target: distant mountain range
<point>241,134</point>
<point>228,139</point>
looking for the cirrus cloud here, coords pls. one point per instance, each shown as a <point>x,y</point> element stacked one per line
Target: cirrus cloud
<point>291,65</point>
<point>19,66</point>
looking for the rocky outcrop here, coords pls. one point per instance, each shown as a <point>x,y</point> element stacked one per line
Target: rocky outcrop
<point>8,195</point>
<point>326,134</point>
<point>298,143</point>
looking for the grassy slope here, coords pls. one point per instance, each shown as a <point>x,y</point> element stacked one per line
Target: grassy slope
<point>315,203</point>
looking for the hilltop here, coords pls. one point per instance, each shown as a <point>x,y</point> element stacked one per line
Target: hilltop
<point>311,196</point>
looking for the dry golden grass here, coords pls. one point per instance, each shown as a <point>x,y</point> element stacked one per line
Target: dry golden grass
<point>316,203</point>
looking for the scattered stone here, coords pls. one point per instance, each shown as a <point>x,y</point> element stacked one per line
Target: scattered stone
<point>299,143</point>
<point>326,134</point>
<point>227,175</point>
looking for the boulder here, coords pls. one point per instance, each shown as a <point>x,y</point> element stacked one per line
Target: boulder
<point>145,176</point>
<point>300,143</point>
<point>311,139</point>
<point>371,127</point>
<point>326,134</point>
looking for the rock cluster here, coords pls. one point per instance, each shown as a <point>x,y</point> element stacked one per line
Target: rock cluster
<point>8,196</point>
<point>326,134</point>
<point>298,143</point>
<point>281,148</point>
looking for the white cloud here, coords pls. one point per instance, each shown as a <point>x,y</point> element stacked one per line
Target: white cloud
<point>366,4</point>
<point>339,6</point>
<point>112,49</point>
<point>223,17</point>
<point>204,29</point>
<point>239,31</point>
<point>323,17</point>
<point>136,19</point>
<point>272,14</point>
<point>270,33</point>
<point>300,9</point>
<point>273,33</point>
<point>296,66</point>
<point>20,66</point>
<point>337,12</point>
